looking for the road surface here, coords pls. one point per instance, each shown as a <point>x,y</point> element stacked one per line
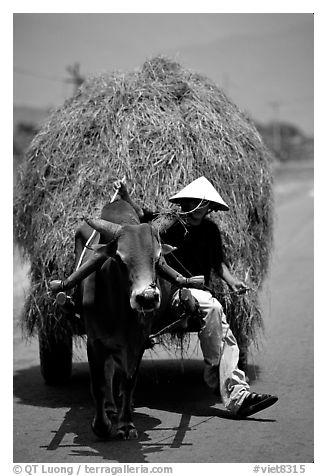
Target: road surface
<point>177,417</point>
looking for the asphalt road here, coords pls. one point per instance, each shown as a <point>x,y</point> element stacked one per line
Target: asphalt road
<point>177,417</point>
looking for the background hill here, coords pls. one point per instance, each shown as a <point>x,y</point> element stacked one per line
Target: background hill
<point>29,115</point>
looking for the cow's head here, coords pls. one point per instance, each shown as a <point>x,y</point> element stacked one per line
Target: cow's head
<point>138,249</point>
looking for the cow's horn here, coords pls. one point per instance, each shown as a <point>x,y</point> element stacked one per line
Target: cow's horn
<point>106,228</point>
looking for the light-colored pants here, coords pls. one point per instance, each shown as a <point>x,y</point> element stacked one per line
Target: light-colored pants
<point>220,352</point>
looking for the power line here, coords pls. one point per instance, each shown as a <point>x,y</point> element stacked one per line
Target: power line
<point>26,72</point>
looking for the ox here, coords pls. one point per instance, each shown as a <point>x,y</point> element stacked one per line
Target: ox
<point>120,302</point>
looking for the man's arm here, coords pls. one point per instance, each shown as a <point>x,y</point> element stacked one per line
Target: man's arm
<point>171,275</point>
<point>220,266</point>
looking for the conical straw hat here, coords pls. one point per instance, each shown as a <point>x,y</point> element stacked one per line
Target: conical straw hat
<point>201,189</point>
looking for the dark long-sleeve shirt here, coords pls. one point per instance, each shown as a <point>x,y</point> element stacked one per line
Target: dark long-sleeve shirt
<point>199,248</point>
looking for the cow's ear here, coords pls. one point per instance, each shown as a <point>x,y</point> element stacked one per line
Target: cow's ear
<point>166,249</point>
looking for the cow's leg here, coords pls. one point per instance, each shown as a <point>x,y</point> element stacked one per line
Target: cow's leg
<point>110,404</point>
<point>101,425</point>
<point>126,429</point>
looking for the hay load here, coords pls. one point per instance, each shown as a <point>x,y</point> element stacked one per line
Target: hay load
<point>161,127</point>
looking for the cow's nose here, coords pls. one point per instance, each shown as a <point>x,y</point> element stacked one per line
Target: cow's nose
<point>148,299</point>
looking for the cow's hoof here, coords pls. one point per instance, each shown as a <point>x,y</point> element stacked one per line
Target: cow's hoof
<point>132,434</point>
<point>101,429</point>
<point>127,432</point>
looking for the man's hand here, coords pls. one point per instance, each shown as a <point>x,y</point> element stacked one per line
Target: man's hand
<point>121,189</point>
<point>238,287</point>
<point>234,283</point>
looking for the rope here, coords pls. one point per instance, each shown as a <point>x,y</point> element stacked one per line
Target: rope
<point>195,208</point>
<point>84,249</point>
<point>167,328</point>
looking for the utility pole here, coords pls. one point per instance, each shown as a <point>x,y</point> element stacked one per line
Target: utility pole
<point>76,78</point>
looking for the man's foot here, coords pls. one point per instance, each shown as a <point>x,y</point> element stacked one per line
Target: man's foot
<point>255,402</point>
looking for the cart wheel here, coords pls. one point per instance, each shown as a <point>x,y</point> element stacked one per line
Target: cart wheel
<point>55,358</point>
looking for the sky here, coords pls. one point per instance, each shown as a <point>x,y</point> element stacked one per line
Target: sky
<point>263,61</point>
